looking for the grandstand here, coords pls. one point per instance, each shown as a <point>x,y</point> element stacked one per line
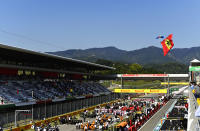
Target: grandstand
<point>46,84</point>
<point>45,90</point>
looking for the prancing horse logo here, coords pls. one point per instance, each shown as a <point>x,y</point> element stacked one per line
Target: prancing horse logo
<point>168,43</point>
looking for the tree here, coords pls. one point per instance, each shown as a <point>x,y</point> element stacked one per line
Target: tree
<point>135,68</point>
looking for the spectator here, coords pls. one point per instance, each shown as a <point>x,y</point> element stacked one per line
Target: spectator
<point>2,101</point>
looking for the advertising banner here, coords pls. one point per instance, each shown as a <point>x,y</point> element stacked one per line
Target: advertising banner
<point>194,68</point>
<point>140,90</point>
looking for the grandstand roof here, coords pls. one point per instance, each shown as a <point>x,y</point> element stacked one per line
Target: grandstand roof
<point>33,58</point>
<point>195,62</point>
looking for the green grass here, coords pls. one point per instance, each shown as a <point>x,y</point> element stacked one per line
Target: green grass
<point>138,82</point>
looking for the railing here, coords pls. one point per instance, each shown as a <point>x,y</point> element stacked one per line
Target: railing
<point>193,106</point>
<point>159,125</point>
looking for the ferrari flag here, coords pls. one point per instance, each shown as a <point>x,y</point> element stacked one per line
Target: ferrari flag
<point>167,44</point>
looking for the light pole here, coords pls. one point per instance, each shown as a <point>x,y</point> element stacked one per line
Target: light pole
<point>165,80</point>
<point>168,84</point>
<point>121,85</point>
<point>45,110</point>
<point>32,106</point>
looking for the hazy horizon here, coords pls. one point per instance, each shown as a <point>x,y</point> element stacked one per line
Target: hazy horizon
<point>120,48</point>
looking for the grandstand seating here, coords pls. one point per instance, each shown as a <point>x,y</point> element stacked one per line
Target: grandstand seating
<point>15,91</point>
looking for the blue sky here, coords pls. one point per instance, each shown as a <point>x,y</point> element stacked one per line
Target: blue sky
<point>52,25</point>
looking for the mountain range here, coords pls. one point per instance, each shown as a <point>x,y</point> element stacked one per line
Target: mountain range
<point>148,55</point>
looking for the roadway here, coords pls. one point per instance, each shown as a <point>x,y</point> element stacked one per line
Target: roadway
<point>153,121</point>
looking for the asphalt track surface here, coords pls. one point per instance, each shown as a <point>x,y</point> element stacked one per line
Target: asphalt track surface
<point>153,121</point>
